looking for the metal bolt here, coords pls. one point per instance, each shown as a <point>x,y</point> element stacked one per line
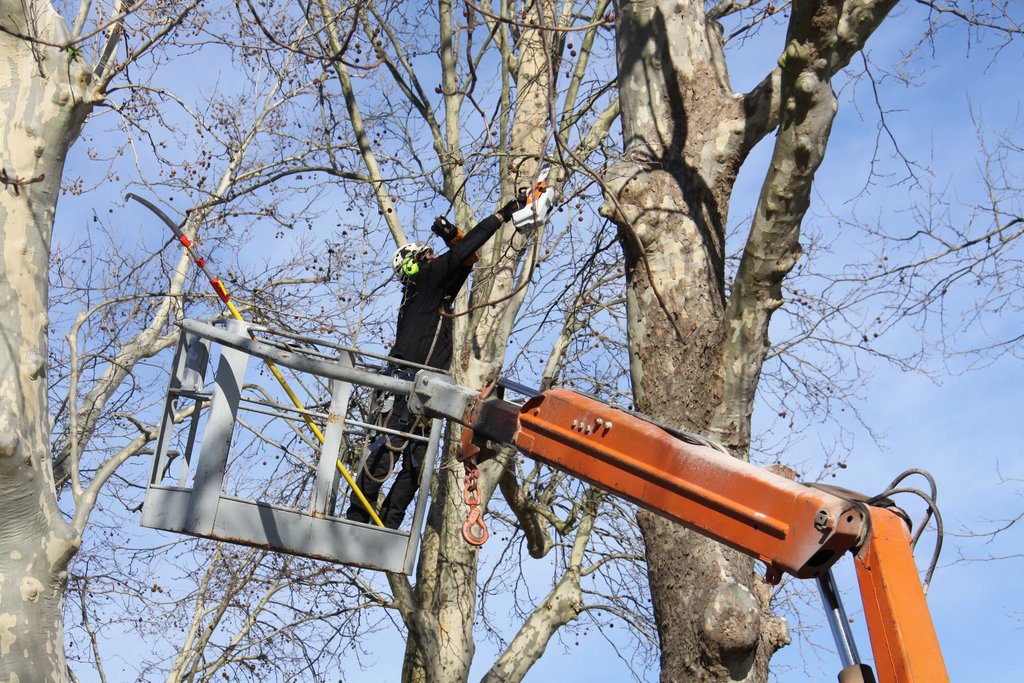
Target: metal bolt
<point>822,520</point>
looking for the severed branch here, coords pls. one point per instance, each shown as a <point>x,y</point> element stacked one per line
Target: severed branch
<point>16,183</point>
<point>534,526</point>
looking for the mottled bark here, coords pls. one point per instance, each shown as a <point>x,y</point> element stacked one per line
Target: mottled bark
<point>695,357</point>
<point>683,130</point>
<point>820,40</point>
<point>45,96</point>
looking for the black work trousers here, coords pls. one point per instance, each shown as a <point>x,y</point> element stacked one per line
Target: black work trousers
<point>385,453</point>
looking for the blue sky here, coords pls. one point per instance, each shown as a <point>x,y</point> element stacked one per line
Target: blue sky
<point>966,439</point>
<point>963,427</point>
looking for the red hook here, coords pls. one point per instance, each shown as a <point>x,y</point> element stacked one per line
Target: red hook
<point>473,530</point>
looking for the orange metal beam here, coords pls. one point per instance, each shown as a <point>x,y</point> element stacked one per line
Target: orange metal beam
<point>903,638</point>
<point>789,526</point>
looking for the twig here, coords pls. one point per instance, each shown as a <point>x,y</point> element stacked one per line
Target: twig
<point>608,19</point>
<point>70,43</point>
<point>18,182</point>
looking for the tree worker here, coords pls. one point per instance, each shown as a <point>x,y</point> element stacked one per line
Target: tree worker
<point>430,285</point>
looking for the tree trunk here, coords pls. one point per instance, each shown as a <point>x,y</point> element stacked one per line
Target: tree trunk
<point>43,103</point>
<point>709,615</point>
<point>670,196</point>
<point>695,360</point>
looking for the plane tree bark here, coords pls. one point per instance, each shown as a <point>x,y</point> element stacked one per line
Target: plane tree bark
<point>55,74</point>
<point>697,343</point>
<point>47,91</point>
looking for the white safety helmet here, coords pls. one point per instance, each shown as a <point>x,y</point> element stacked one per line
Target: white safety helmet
<point>407,258</point>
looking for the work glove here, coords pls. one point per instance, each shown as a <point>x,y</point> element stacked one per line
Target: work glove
<point>444,229</point>
<point>506,212</point>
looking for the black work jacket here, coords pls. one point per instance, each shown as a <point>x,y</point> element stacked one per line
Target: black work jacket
<point>424,334</point>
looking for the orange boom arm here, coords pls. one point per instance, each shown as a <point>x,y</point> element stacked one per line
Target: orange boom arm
<point>792,527</point>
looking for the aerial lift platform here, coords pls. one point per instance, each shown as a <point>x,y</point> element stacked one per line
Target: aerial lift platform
<point>232,458</point>
<point>232,464</point>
